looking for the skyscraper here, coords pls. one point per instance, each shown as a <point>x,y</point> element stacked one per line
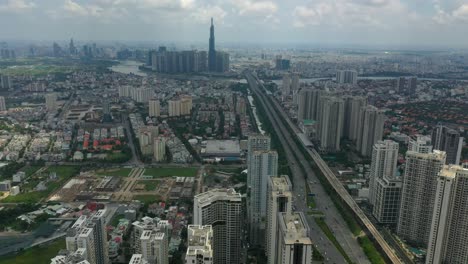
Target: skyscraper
<point>353,105</point>
<point>371,125</point>
<point>222,209</point>
<point>89,233</point>
<point>199,244</point>
<point>264,164</point>
<point>279,201</point>
<point>51,101</point>
<point>150,239</point>
<point>294,244</point>
<point>2,104</point>
<point>211,50</point>
<point>154,108</point>
<point>331,122</point>
<point>448,242</point>
<point>346,77</point>
<point>384,164</point>
<point>448,140</point>
<point>286,85</point>
<point>420,144</point>
<point>255,143</point>
<point>417,196</point>
<point>159,149</point>
<point>309,104</point>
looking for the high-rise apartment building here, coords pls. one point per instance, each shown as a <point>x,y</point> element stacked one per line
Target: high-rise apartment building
<point>346,77</point>
<point>159,149</point>
<point>186,105</point>
<point>5,82</point>
<point>417,196</point>
<point>448,140</point>
<point>141,95</point>
<point>255,143</point>
<point>51,101</point>
<point>286,85</point>
<point>331,123</point>
<point>264,164</point>
<point>279,200</point>
<point>309,103</point>
<point>420,144</point>
<point>199,245</point>
<point>2,104</point>
<point>295,82</point>
<point>353,105</point>
<point>150,239</point>
<point>448,241</point>
<point>294,244</point>
<point>173,108</point>
<point>384,164</point>
<point>125,91</point>
<point>89,233</point>
<point>154,108</point>
<point>222,209</point>
<point>138,259</point>
<point>371,125</point>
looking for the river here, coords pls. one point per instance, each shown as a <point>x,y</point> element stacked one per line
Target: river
<point>128,67</point>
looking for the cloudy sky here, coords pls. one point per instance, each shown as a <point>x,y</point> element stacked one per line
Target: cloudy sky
<point>367,22</point>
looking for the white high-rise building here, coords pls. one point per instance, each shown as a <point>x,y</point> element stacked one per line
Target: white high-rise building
<point>89,233</point>
<point>384,164</point>
<point>173,107</point>
<point>141,95</point>
<point>199,245</point>
<point>279,201</point>
<point>286,85</point>
<point>154,108</point>
<point>145,139</point>
<point>2,104</point>
<point>294,244</point>
<point>51,101</point>
<point>222,209</point>
<point>309,104</point>
<point>371,125</point>
<point>264,164</point>
<point>125,91</point>
<point>353,105</point>
<point>331,123</point>
<point>159,149</point>
<point>185,105</point>
<point>420,144</point>
<point>255,143</point>
<point>295,82</point>
<point>150,239</point>
<point>448,241</point>
<point>346,77</point>
<point>417,196</point>
<point>138,259</point>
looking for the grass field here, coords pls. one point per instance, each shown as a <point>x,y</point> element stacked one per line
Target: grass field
<point>147,199</point>
<point>149,185</point>
<point>30,170</point>
<point>169,172</point>
<point>35,254</point>
<point>64,173</point>
<point>122,172</point>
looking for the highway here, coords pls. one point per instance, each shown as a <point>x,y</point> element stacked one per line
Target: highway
<point>370,229</point>
<point>323,202</point>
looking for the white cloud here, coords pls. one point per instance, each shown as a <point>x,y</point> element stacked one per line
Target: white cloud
<point>461,12</point>
<point>16,6</point>
<point>75,8</point>
<point>349,13</point>
<point>203,14</point>
<point>261,8</point>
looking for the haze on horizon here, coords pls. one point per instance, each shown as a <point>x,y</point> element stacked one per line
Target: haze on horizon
<point>425,23</point>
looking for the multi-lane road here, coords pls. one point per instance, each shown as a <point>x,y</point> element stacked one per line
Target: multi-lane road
<point>323,199</point>
<point>298,164</point>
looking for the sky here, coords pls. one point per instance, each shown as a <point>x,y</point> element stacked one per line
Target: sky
<point>441,23</point>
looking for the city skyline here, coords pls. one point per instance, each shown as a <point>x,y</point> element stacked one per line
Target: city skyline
<point>338,22</point>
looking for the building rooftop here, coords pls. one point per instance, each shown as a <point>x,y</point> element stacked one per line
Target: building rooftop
<point>222,147</point>
<point>295,228</point>
<point>218,194</point>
